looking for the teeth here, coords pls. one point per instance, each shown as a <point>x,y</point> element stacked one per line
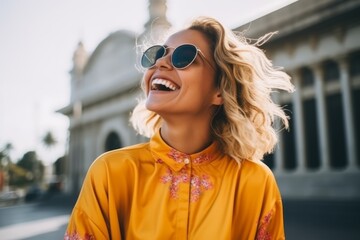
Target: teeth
<point>163,82</point>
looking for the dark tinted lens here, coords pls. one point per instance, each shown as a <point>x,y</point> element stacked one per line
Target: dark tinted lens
<point>152,54</point>
<point>183,56</point>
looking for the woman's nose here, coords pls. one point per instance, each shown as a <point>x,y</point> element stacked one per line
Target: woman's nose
<point>164,62</point>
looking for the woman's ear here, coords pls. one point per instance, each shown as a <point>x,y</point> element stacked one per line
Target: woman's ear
<point>218,99</point>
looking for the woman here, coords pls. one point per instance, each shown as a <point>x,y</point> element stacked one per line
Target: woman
<point>209,116</point>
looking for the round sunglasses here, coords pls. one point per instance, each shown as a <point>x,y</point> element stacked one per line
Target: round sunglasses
<point>182,56</point>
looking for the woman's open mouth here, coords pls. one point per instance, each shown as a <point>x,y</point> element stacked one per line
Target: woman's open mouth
<point>159,84</point>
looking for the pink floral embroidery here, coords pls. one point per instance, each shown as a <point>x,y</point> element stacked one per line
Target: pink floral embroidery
<point>262,232</point>
<point>177,156</point>
<point>201,159</point>
<point>175,180</point>
<point>198,184</point>
<point>76,236</point>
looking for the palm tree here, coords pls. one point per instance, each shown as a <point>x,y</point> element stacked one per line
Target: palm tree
<point>49,140</point>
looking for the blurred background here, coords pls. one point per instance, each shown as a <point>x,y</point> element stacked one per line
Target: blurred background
<point>69,80</point>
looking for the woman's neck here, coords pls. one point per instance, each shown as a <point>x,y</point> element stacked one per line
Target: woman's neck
<point>188,137</point>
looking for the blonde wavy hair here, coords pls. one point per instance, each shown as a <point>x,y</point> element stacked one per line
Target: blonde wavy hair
<point>243,125</point>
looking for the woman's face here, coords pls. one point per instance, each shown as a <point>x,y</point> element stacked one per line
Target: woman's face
<point>192,90</point>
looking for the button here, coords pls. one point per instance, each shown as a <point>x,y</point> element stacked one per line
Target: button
<point>186,161</point>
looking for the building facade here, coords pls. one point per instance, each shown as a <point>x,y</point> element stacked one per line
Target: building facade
<point>105,86</point>
<point>318,44</point>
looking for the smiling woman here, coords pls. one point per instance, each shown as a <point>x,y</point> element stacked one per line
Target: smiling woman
<point>209,115</point>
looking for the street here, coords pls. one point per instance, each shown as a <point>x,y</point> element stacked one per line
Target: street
<point>320,220</point>
<point>310,220</point>
<point>42,220</point>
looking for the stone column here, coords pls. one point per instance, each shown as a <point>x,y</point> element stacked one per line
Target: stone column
<point>299,123</point>
<point>279,152</point>
<point>348,112</point>
<point>321,117</point>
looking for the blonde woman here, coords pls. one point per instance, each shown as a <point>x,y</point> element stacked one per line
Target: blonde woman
<point>209,116</point>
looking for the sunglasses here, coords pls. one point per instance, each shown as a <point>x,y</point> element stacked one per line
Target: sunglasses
<point>182,57</point>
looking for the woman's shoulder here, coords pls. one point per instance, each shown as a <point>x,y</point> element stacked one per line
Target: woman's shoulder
<point>256,171</point>
<point>256,175</point>
<point>256,166</point>
<point>129,155</point>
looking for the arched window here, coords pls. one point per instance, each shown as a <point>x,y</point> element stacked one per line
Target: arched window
<point>269,160</point>
<point>311,134</point>
<point>112,141</point>
<point>331,71</point>
<point>356,109</point>
<point>307,77</point>
<point>355,64</point>
<point>336,131</point>
<point>355,93</point>
<point>312,154</point>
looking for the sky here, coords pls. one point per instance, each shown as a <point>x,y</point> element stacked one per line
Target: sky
<point>37,42</point>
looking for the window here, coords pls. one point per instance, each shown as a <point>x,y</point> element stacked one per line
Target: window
<point>288,141</point>
<point>336,131</point>
<point>112,141</point>
<point>269,160</point>
<point>312,154</point>
<point>356,109</point>
<point>355,64</point>
<point>331,71</point>
<point>307,77</point>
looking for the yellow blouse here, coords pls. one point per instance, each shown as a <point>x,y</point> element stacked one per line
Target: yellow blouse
<point>152,191</point>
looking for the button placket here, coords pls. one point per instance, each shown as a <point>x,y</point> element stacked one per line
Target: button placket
<point>184,200</point>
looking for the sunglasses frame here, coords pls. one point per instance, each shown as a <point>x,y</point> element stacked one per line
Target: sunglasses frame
<point>171,58</point>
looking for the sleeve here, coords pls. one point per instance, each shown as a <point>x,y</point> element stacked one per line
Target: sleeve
<point>90,217</point>
<point>271,223</point>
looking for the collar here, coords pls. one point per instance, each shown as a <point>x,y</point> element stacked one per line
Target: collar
<point>175,159</point>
